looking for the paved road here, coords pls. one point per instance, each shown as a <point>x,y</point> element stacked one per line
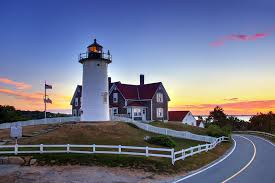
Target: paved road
<point>253,160</point>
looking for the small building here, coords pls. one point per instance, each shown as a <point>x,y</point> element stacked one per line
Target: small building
<point>143,102</point>
<point>185,117</point>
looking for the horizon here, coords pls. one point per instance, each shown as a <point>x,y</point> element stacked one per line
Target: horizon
<point>203,52</point>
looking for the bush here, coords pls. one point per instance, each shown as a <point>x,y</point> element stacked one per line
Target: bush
<point>216,131</point>
<point>162,140</point>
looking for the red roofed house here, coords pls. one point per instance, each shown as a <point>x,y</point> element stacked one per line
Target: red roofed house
<point>143,102</point>
<point>185,117</point>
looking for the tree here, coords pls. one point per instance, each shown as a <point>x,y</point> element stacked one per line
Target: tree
<point>218,117</point>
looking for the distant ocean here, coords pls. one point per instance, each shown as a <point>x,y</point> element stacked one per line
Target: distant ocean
<point>241,117</point>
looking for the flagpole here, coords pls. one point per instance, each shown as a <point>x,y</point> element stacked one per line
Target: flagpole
<point>45,103</point>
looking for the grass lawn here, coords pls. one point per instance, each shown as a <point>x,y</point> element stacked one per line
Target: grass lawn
<point>116,133</point>
<point>180,127</point>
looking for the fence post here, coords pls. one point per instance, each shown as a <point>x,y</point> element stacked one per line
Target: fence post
<point>206,149</point>
<point>68,148</point>
<point>146,151</point>
<point>199,148</point>
<point>173,156</point>
<point>41,148</point>
<point>15,148</point>
<point>147,127</point>
<point>119,149</point>
<point>93,148</point>
<point>183,155</point>
<point>166,131</point>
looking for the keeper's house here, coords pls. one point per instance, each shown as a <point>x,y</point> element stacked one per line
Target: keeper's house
<point>143,102</point>
<point>186,117</point>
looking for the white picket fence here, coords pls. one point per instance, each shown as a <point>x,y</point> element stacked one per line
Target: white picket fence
<point>115,149</point>
<point>165,131</point>
<point>40,122</point>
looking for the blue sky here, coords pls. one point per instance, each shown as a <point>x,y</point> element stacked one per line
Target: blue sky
<point>168,41</point>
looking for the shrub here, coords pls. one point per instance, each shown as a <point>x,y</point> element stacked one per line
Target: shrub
<point>215,131</point>
<point>162,140</point>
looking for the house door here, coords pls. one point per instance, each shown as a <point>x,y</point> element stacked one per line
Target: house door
<point>143,114</point>
<point>114,111</point>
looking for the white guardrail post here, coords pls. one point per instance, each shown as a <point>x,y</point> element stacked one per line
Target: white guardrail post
<point>173,156</point>
<point>16,149</point>
<point>147,153</point>
<point>119,149</point>
<point>68,148</point>
<point>41,148</point>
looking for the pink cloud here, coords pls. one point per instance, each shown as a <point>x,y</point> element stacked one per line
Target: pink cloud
<point>240,37</point>
<point>241,107</point>
<point>18,85</point>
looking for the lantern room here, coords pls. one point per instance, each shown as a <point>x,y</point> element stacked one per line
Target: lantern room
<point>95,47</point>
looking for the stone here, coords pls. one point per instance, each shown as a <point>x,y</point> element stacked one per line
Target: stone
<point>4,160</point>
<point>16,160</point>
<point>33,161</point>
<point>52,161</point>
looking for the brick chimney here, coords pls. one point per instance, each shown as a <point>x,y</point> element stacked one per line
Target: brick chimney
<point>109,81</point>
<point>141,79</point>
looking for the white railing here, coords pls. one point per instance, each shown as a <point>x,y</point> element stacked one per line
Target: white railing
<point>184,153</point>
<point>165,131</point>
<point>40,122</point>
<point>104,149</point>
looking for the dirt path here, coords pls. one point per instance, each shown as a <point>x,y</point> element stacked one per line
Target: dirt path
<point>73,174</point>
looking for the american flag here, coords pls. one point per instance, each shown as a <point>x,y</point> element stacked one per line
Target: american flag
<point>48,100</point>
<point>48,86</point>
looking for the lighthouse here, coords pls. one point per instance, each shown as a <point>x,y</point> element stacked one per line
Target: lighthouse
<point>95,97</point>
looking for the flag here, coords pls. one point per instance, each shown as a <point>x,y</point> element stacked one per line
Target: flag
<point>48,86</point>
<point>48,100</point>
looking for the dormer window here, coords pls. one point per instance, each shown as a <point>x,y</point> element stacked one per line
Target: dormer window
<point>159,97</point>
<point>115,97</point>
<point>76,102</point>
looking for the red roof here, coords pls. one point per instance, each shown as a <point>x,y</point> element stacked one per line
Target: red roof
<point>177,115</point>
<point>138,92</point>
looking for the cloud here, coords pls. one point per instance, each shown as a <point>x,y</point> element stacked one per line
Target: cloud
<point>18,85</point>
<point>34,100</point>
<point>241,37</point>
<point>23,95</point>
<point>231,99</point>
<point>243,107</point>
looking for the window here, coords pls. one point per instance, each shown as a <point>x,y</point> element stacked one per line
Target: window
<point>159,97</point>
<point>76,101</point>
<point>74,112</point>
<point>115,111</point>
<point>137,111</point>
<point>104,96</point>
<point>159,112</point>
<point>129,111</point>
<point>115,97</point>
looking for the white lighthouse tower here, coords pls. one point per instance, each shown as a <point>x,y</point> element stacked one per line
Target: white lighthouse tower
<point>95,97</point>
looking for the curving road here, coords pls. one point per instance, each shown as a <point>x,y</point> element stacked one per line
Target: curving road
<point>252,159</point>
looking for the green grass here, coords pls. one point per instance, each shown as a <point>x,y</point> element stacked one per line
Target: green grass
<point>180,127</point>
<point>116,133</point>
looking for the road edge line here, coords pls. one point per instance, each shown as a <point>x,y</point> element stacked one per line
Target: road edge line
<point>264,139</point>
<point>210,166</point>
<point>247,165</point>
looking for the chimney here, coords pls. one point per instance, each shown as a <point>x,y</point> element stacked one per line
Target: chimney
<point>141,79</point>
<point>109,81</point>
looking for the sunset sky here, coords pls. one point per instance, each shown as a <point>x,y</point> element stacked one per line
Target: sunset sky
<point>206,53</point>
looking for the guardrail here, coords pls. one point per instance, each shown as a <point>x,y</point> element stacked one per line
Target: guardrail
<point>263,133</point>
<point>40,122</point>
<point>115,149</point>
<point>165,131</point>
